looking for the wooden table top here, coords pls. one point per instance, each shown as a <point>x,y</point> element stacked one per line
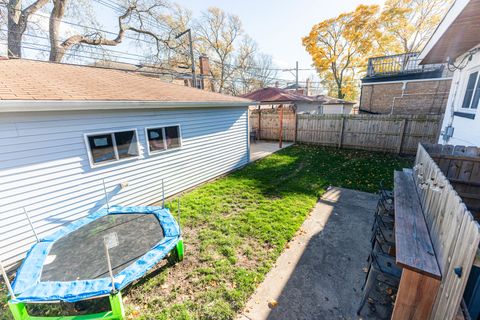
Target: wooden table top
<point>414,249</point>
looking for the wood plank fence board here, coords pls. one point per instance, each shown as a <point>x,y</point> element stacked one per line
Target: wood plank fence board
<point>462,166</point>
<point>386,133</point>
<point>454,233</point>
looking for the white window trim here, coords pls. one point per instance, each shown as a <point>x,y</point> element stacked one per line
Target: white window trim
<point>464,90</point>
<point>180,139</point>
<point>109,162</point>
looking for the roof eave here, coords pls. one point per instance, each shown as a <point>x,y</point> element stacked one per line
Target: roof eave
<point>78,105</point>
<point>336,103</point>
<point>262,103</point>
<point>454,11</point>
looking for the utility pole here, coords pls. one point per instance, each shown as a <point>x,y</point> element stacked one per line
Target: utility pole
<point>194,76</point>
<point>296,75</point>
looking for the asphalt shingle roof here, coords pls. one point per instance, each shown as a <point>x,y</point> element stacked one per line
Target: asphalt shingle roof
<point>22,79</point>
<point>275,95</point>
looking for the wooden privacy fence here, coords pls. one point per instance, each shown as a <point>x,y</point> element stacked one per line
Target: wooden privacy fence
<point>454,233</point>
<point>461,165</point>
<point>387,133</point>
<point>267,121</point>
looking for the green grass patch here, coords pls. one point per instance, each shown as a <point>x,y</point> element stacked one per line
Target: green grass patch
<point>237,226</point>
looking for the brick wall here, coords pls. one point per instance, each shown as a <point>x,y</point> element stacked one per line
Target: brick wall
<point>408,97</point>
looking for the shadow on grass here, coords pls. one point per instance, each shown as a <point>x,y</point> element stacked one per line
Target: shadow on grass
<point>309,170</point>
<point>240,224</point>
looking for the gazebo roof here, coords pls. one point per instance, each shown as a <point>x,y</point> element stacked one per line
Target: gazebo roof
<point>271,95</point>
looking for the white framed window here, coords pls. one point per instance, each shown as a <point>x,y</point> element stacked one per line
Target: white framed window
<point>107,147</point>
<point>163,138</point>
<point>471,97</point>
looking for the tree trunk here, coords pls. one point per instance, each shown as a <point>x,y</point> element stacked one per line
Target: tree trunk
<point>14,46</point>
<point>16,28</point>
<point>17,24</point>
<point>56,50</point>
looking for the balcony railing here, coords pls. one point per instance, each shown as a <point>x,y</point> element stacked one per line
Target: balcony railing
<point>399,64</point>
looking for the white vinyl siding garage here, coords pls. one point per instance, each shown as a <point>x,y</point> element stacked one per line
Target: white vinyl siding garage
<point>45,167</point>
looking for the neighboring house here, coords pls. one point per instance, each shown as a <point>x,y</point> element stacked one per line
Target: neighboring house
<point>457,39</point>
<point>323,104</point>
<point>65,129</point>
<point>299,89</point>
<point>398,84</point>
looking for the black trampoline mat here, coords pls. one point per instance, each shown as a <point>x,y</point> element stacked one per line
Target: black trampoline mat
<point>80,255</point>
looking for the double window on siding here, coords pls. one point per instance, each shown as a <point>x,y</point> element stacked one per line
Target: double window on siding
<point>112,146</point>
<point>163,138</point>
<point>472,93</point>
<point>108,147</point>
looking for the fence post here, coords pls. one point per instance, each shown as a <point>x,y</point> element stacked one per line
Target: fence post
<point>402,133</point>
<point>280,138</point>
<point>259,121</point>
<point>296,127</point>
<point>340,138</point>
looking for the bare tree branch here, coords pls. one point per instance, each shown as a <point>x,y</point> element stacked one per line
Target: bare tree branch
<point>58,49</point>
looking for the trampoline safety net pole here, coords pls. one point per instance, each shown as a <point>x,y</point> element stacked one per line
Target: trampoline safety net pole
<point>178,209</point>
<point>163,195</point>
<point>7,282</point>
<point>106,194</point>
<point>31,224</point>
<point>110,241</point>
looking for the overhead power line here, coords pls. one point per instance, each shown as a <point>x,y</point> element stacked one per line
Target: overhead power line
<point>105,2</point>
<point>81,25</point>
<point>122,55</point>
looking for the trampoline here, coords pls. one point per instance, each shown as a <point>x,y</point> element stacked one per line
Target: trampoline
<point>94,257</point>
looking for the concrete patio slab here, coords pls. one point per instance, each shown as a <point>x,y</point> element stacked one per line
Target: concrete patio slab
<point>320,273</point>
<point>261,149</point>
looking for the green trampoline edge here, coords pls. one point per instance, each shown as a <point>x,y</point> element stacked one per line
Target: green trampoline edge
<point>19,312</point>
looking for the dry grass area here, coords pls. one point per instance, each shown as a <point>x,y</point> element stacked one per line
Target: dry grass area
<point>236,227</point>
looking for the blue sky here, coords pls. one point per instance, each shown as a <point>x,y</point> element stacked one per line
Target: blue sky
<point>278,26</point>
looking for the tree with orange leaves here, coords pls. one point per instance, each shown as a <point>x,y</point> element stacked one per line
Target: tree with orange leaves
<point>340,46</point>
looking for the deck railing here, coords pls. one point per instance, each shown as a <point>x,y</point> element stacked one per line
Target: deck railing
<point>399,64</point>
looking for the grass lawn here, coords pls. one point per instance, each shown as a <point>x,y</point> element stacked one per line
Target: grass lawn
<point>236,227</point>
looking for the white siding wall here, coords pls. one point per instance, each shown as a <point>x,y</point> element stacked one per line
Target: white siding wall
<point>44,165</point>
<point>467,131</point>
<point>307,107</point>
<point>337,109</point>
<point>312,108</point>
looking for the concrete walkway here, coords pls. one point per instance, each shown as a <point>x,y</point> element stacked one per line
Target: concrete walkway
<point>261,149</point>
<point>320,274</point>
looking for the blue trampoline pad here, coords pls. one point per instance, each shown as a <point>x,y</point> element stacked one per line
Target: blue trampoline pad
<point>71,265</point>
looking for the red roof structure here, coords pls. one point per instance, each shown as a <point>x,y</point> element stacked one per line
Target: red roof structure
<point>271,95</point>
